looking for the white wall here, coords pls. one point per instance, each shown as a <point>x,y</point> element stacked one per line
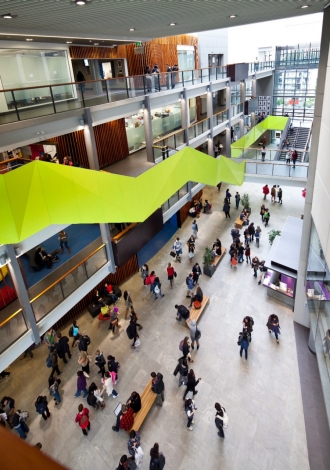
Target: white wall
<point>212,42</point>
<point>244,41</point>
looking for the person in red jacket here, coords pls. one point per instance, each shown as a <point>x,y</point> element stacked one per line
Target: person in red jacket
<point>170,274</point>
<point>294,157</point>
<point>265,190</point>
<point>82,419</point>
<point>125,419</point>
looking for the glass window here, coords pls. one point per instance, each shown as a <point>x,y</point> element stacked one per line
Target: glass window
<point>135,132</point>
<point>166,120</point>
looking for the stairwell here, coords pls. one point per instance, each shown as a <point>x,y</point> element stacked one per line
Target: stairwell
<point>298,137</point>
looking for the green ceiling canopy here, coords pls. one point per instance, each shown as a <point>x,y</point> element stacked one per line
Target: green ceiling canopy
<point>41,194</point>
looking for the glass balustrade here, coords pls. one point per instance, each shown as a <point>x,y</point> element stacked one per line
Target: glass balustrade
<point>221,117</point>
<point>11,329</point>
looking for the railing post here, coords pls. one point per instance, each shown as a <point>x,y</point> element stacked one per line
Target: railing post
<point>106,238</point>
<point>51,94</point>
<point>209,108</point>
<point>15,104</point>
<point>148,129</point>
<point>82,94</point>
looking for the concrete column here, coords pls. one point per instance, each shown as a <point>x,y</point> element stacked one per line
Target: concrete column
<point>209,106</point>
<point>242,91</point>
<point>241,126</point>
<point>95,75</point>
<point>228,105</point>
<point>185,116</point>
<point>253,119</point>
<point>106,238</point>
<point>90,141</point>
<point>301,313</point>
<point>148,129</point>
<point>228,142</point>
<point>254,87</point>
<point>22,294</point>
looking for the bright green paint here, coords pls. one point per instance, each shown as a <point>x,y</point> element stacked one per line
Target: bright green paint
<point>41,194</point>
<point>274,123</point>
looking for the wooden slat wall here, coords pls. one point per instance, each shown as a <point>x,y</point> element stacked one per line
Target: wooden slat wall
<point>121,275</point>
<point>72,145</point>
<point>90,52</point>
<point>111,142</point>
<point>185,209</point>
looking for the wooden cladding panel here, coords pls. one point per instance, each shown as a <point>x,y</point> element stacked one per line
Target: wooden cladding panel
<point>90,52</point>
<point>185,209</point>
<point>111,142</point>
<point>122,274</point>
<point>72,145</point>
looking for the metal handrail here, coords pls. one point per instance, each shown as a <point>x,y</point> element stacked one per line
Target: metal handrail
<point>197,122</point>
<point>220,112</point>
<point>66,274</point>
<point>10,318</point>
<point>167,136</point>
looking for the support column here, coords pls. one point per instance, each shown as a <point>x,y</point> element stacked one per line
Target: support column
<point>22,294</point>
<point>95,75</point>
<point>301,313</point>
<point>241,126</point>
<point>254,87</point>
<point>209,108</point>
<point>253,119</point>
<point>148,129</point>
<point>242,91</point>
<point>185,120</point>
<point>90,141</point>
<point>228,136</point>
<point>106,238</point>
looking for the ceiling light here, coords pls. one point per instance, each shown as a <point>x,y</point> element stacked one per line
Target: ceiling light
<point>232,16</point>
<point>8,16</point>
<point>96,43</point>
<point>69,42</point>
<point>305,6</point>
<point>80,2</point>
<point>172,24</point>
<point>132,29</point>
<point>28,39</point>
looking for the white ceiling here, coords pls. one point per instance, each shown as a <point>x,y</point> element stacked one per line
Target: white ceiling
<point>112,19</point>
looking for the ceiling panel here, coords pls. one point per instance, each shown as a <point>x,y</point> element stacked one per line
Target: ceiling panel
<point>112,19</point>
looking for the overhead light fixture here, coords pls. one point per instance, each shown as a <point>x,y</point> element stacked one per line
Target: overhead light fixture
<point>132,29</point>
<point>69,42</point>
<point>80,2</point>
<point>172,24</point>
<point>7,16</point>
<point>96,43</point>
<point>304,6</point>
<point>28,39</point>
<point>232,16</point>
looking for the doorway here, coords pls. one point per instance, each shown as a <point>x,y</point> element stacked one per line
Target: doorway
<point>215,60</point>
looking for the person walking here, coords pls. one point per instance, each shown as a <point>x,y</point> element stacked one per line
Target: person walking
<point>266,217</point>
<point>132,329</point>
<point>134,317</point>
<point>83,360</point>
<point>20,425</point>
<point>196,272</point>
<point>262,270</point>
<point>263,153</point>
<point>157,459</point>
<point>190,409</point>
<point>100,362</point>
<point>54,358</point>
<point>243,341</point>
<point>273,193</point>
<point>157,288</point>
<point>240,253</point>
<point>191,383</point>
<point>195,333</point>
<point>144,273</point>
<point>183,371</point>
<point>28,352</point>
<point>81,385</point>
<point>108,385</point>
<point>82,419</point>
<point>75,333</point>
<point>54,383</point>
<point>158,387</point>
<point>273,326</point>
<point>262,211</point>
<point>228,195</point>
<point>221,419</point>
<point>62,347</point>
<point>194,228</point>
<point>190,285</point>
<point>170,274</point>
<point>248,253</point>
<point>184,346</point>
<point>294,158</point>
<point>237,199</point>
<point>279,195</point>
<point>255,265</point>
<point>128,303</point>
<point>251,230</point>
<point>257,235</point>
<point>265,190</point>
<point>226,209</point>
<point>133,443</point>
<point>50,337</point>
<point>63,238</point>
<point>248,323</point>
<point>41,405</point>
<point>177,247</point>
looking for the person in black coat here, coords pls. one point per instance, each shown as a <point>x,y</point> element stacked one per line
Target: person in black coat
<point>251,230</point>
<point>196,270</point>
<point>158,387</point>
<point>100,362</point>
<point>133,330</point>
<point>226,209</point>
<point>83,343</point>
<point>191,383</point>
<point>62,347</point>
<point>186,349</point>
<point>134,402</point>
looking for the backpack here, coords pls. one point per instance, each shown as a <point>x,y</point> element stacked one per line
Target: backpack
<point>198,334</point>
<point>197,304</point>
<point>49,361</point>
<point>129,332</point>
<point>91,399</point>
<point>40,405</point>
<point>71,331</point>
<point>181,345</point>
<point>156,290</point>
<point>87,340</point>
<point>184,312</point>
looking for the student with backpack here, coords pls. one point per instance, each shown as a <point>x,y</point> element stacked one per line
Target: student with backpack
<point>41,407</point>
<point>221,419</point>
<point>248,323</point>
<point>84,342</point>
<point>94,397</point>
<point>157,459</point>
<point>190,409</point>
<point>54,389</point>
<point>100,362</point>
<point>157,288</point>
<point>62,347</point>
<point>81,385</point>
<point>54,362</point>
<point>244,339</point>
<point>191,383</point>
<point>194,228</point>
<point>190,285</point>
<point>108,385</point>
<point>177,247</point>
<point>195,333</point>
<point>182,312</point>
<point>74,333</point>
<point>82,419</point>
<point>158,387</point>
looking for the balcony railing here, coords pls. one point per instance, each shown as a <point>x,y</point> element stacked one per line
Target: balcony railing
<point>237,109</point>
<point>220,117</point>
<point>198,128</point>
<point>12,164</point>
<point>254,153</point>
<point>277,169</point>
<point>261,66</point>
<point>12,329</point>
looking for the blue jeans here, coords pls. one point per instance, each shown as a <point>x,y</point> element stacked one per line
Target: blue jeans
<point>57,397</point>
<point>22,429</point>
<point>78,393</point>
<point>65,243</point>
<point>237,203</point>
<point>246,352</point>
<point>240,258</point>
<point>156,295</point>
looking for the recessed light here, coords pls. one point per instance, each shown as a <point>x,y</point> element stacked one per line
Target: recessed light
<point>80,2</point>
<point>7,16</point>
<point>232,16</point>
<point>28,39</point>
<point>172,24</point>
<point>304,6</point>
<point>69,42</point>
<point>96,43</point>
<point>132,29</point>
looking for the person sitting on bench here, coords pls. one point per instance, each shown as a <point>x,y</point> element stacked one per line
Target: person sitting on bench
<point>182,312</point>
<point>43,258</point>
<point>105,310</point>
<point>98,299</point>
<point>198,297</point>
<point>207,206</point>
<point>125,419</point>
<point>134,402</point>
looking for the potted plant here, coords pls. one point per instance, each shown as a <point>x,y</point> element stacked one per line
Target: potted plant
<point>245,201</point>
<point>272,234</point>
<point>208,268</point>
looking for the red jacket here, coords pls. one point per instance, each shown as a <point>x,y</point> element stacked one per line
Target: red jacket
<point>83,422</point>
<point>150,279</point>
<point>127,420</point>
<point>265,190</point>
<point>170,271</point>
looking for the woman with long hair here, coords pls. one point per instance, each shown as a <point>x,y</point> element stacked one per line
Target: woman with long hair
<point>128,303</point>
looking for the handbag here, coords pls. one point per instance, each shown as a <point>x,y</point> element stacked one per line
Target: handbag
<point>138,455</point>
<point>173,253</point>
<point>175,274</point>
<point>197,305</point>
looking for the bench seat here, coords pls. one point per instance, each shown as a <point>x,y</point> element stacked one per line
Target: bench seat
<point>148,398</point>
<point>218,258</point>
<point>195,314</point>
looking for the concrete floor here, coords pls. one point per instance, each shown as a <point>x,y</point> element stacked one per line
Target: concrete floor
<point>262,395</point>
<point>133,165</point>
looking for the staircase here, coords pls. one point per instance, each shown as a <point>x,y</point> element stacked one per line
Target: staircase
<point>298,140</point>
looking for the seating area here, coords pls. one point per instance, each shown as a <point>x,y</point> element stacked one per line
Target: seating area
<point>196,313</point>
<point>148,398</point>
<point>217,259</point>
<point>239,223</point>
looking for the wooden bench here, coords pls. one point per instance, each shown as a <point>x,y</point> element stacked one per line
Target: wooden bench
<point>239,223</point>
<point>218,258</point>
<point>196,313</point>
<point>148,398</point>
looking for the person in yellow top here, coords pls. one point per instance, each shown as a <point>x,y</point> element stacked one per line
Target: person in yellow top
<point>105,310</point>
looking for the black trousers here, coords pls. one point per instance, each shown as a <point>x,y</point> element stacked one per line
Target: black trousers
<point>55,369</point>
<point>84,430</point>
<point>46,413</point>
<point>64,358</point>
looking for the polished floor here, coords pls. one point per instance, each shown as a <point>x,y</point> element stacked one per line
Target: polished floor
<point>262,395</point>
